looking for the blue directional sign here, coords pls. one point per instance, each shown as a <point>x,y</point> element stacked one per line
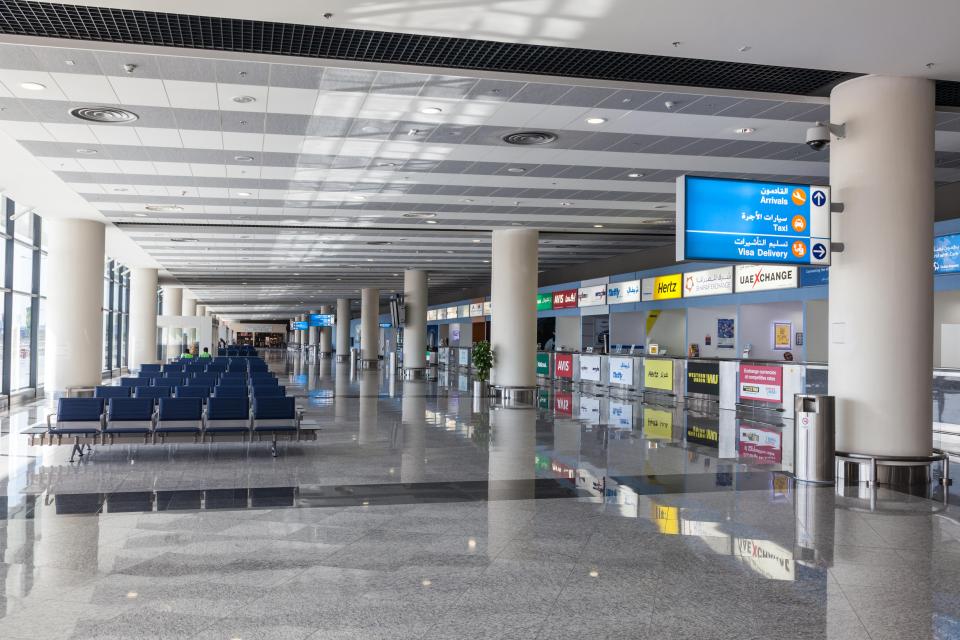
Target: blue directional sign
<point>321,320</point>
<point>300,325</point>
<point>752,221</point>
<point>946,254</point>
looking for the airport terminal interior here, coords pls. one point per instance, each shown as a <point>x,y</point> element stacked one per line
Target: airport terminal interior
<point>493,319</point>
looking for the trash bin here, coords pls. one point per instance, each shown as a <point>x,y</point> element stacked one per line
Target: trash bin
<point>814,444</point>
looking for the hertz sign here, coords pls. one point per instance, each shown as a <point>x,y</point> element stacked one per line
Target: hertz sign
<point>662,287</point>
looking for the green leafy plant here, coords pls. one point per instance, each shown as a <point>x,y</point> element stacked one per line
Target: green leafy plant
<point>482,359</point>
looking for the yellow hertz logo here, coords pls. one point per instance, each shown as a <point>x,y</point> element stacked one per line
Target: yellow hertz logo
<point>667,287</point>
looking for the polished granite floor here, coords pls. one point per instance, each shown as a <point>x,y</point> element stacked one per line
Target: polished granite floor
<point>423,513</point>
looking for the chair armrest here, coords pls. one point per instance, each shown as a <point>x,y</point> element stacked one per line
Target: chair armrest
<point>49,424</point>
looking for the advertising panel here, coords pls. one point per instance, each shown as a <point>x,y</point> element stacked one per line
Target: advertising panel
<point>589,368</point>
<point>662,287</point>
<point>563,366</point>
<point>431,314</point>
<point>464,357</point>
<point>621,370</point>
<point>758,277</point>
<point>590,409</point>
<point>705,431</point>
<point>544,301</point>
<point>487,308</point>
<point>563,403</point>
<point>463,311</point>
<point>703,377</point>
<point>760,382</point>
<point>455,333</point>
<point>476,309</point>
<point>752,221</point>
<point>658,374</point>
<point>441,314</point>
<point>762,445</point>
<point>543,364</point>
<point>657,424</point>
<point>946,254</point>
<point>565,299</point>
<point>451,313</point>
<point>620,415</point>
<point>622,292</point>
<point>814,276</point>
<point>710,282</point>
<point>592,296</point>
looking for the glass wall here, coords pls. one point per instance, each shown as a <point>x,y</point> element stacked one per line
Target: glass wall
<point>116,317</point>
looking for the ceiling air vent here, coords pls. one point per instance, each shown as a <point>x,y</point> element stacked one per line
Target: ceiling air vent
<point>109,115</point>
<point>530,137</point>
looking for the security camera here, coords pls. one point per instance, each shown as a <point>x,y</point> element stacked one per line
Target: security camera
<point>818,136</point>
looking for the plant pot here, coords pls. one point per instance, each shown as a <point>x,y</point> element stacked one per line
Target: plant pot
<point>480,389</point>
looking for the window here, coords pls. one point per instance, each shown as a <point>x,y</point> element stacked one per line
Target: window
<point>41,340</point>
<point>20,357</point>
<point>22,267</point>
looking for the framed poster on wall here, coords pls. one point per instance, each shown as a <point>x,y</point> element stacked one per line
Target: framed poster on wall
<point>782,334</point>
<point>725,333</point>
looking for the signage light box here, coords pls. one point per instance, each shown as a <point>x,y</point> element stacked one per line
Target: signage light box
<point>752,221</point>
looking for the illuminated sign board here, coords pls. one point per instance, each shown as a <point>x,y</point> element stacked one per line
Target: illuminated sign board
<point>946,254</point>
<point>321,320</point>
<point>662,287</point>
<point>544,301</point>
<point>476,310</point>
<point>621,292</point>
<point>451,313</point>
<point>758,277</point>
<point>300,325</point>
<point>565,299</point>
<point>487,308</point>
<point>752,221</point>
<point>431,314</point>
<point>710,282</point>
<point>592,296</point>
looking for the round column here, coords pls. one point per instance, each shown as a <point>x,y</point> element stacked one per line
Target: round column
<point>313,332</point>
<point>413,406</point>
<point>326,335</point>
<point>881,286</point>
<point>513,324</point>
<point>173,306</point>
<point>370,327</point>
<point>189,311</point>
<point>415,327</point>
<point>74,349</point>
<point>143,317</point>
<point>343,329</point>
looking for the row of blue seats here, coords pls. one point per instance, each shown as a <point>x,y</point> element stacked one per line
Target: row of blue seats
<point>190,391</point>
<point>207,379</point>
<point>200,365</point>
<point>237,351</point>
<point>139,416</point>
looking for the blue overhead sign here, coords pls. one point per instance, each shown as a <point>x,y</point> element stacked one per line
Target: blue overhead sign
<point>300,325</point>
<point>946,254</point>
<point>321,320</point>
<point>751,221</point>
<point>814,276</point>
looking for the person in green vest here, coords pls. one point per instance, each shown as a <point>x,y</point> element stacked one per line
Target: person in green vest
<point>205,353</point>
<point>186,355</point>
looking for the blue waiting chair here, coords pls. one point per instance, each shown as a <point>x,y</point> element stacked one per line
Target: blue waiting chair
<point>111,392</point>
<point>191,391</point>
<point>154,393</point>
<point>179,415</point>
<point>196,367</point>
<point>264,382</point>
<point>129,416</point>
<point>172,367</point>
<point>77,418</point>
<point>273,416</point>
<point>268,392</point>
<point>227,415</point>
<point>216,367</point>
<point>232,382</point>
<point>147,368</point>
<point>228,391</point>
<point>168,382</point>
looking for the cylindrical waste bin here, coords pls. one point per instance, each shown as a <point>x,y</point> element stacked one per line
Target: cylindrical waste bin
<point>814,444</point>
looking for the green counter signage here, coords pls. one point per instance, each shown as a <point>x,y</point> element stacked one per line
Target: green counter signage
<point>543,364</point>
<point>544,302</point>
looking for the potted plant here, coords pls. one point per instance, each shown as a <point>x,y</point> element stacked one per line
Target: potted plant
<point>482,362</point>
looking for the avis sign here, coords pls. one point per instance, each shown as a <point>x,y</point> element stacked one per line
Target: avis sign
<point>563,366</point>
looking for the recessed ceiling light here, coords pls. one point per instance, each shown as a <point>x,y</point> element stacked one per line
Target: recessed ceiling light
<point>476,240</point>
<point>163,207</point>
<point>565,204</point>
<point>359,197</point>
<point>33,86</point>
<point>140,215</point>
<point>744,130</point>
<point>244,99</point>
<point>184,240</point>
<point>596,120</point>
<point>486,261</point>
<point>86,152</point>
<point>431,110</point>
<point>243,194</point>
<point>243,158</point>
<point>386,164</point>
<point>120,189</point>
<point>69,63</point>
<point>516,169</point>
<point>634,175</point>
<point>419,215</point>
<point>598,226</point>
<point>431,221</point>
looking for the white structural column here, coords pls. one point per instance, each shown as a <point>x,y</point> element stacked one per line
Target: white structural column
<point>513,296</point>
<point>881,286</point>
<point>173,306</point>
<point>370,326</point>
<point>74,348</point>
<point>143,317</point>
<point>190,310</point>
<point>415,327</point>
<point>313,334</point>
<point>343,328</point>
<point>201,310</point>
<point>326,335</point>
